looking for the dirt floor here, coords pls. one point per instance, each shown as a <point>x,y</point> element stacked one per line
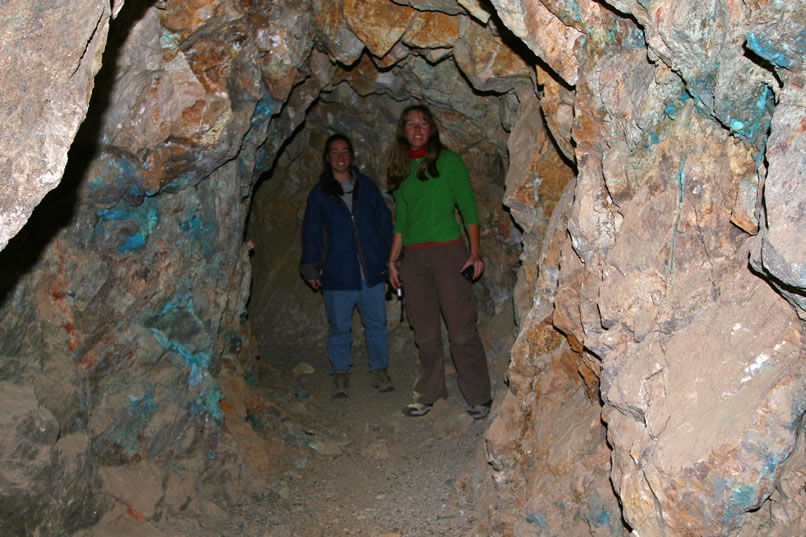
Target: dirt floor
<point>289,460</point>
<point>362,468</point>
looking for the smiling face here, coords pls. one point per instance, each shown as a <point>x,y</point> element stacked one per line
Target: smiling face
<point>339,158</point>
<point>417,129</point>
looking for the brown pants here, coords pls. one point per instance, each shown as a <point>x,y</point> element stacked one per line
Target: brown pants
<point>433,284</point>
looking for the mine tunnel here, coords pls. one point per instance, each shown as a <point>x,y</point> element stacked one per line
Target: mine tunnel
<point>638,171</point>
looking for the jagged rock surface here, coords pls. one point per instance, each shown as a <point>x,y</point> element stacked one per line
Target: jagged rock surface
<point>653,166</point>
<point>43,101</point>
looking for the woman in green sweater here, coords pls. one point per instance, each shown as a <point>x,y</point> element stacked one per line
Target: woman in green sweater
<point>428,182</point>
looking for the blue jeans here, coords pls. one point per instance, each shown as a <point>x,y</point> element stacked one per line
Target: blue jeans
<point>371,305</point>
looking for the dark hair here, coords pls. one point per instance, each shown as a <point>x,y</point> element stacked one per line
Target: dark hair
<point>329,183</point>
<point>398,165</point>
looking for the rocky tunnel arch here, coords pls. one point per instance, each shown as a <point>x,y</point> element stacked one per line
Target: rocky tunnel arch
<point>123,341</point>
<point>475,124</point>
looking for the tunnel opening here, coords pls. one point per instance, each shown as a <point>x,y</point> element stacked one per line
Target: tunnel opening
<point>474,124</point>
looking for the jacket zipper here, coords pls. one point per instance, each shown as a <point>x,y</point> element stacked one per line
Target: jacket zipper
<point>356,236</point>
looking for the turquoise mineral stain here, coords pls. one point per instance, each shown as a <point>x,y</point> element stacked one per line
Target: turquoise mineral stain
<point>145,216</point>
<point>681,180</point>
<point>736,125</point>
<point>208,403</point>
<point>201,233</point>
<point>193,223</point>
<point>779,54</point>
<point>771,462</point>
<point>177,320</point>
<point>537,520</point>
<point>757,117</point>
<point>170,40</point>
<point>197,362</point>
<point>671,111</point>
<point>637,39</point>
<point>599,517</point>
<point>144,404</point>
<point>133,242</point>
<point>263,109</point>
<point>114,214</point>
<point>741,499</point>
<point>127,430</point>
<point>571,11</point>
<point>700,90</point>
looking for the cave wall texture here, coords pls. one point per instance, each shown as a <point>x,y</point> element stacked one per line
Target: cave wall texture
<point>651,153</point>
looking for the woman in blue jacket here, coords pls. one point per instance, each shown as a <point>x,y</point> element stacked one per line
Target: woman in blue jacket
<point>346,237</point>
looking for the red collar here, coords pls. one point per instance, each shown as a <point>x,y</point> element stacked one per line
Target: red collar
<point>417,153</point>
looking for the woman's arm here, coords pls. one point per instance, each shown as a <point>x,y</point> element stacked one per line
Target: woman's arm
<point>474,236</point>
<point>394,259</point>
<point>311,261</point>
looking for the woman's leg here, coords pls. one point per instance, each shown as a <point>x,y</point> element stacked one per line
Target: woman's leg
<point>422,307</point>
<point>458,304</point>
<point>372,307</point>
<point>339,307</point>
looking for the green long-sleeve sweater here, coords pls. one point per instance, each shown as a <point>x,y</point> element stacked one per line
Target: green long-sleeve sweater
<point>424,210</point>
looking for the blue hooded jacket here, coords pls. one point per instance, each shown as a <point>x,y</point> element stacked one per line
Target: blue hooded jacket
<point>334,242</point>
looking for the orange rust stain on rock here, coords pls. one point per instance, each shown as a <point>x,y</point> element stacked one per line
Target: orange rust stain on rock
<point>193,114</point>
<point>57,294</point>
<point>134,513</point>
<point>74,341</point>
<point>87,360</point>
<point>432,30</point>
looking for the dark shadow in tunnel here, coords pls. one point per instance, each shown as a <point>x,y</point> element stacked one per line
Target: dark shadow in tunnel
<point>517,46</point>
<point>763,63</point>
<point>58,208</point>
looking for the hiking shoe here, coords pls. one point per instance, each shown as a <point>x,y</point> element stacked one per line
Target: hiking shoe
<point>413,410</point>
<point>341,385</point>
<point>480,411</point>
<point>382,381</point>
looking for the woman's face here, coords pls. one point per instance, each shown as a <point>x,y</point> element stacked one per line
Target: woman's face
<point>417,129</point>
<point>338,156</point>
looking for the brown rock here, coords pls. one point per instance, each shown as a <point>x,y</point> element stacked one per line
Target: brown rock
<point>544,33</point>
<point>378,25</point>
<point>486,61</point>
<point>432,30</point>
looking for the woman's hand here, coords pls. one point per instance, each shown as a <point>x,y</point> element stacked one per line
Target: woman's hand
<point>394,276</point>
<point>477,263</point>
<point>474,237</point>
<point>393,264</point>
<point>315,284</point>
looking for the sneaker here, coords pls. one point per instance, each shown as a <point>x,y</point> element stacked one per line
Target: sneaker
<point>341,385</point>
<point>382,381</point>
<point>413,410</point>
<point>480,411</point>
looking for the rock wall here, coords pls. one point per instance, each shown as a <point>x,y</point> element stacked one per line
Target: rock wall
<point>45,86</point>
<point>653,166</point>
<point>124,298</point>
<point>689,350</point>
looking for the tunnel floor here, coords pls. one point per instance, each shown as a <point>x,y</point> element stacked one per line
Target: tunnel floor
<point>359,467</point>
